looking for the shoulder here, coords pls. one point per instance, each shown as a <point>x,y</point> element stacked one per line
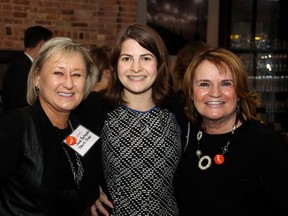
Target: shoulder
<point>22,59</point>
<point>93,99</point>
<point>20,66</point>
<point>260,133</point>
<point>93,111</point>
<point>177,108</point>
<point>258,128</point>
<point>94,103</point>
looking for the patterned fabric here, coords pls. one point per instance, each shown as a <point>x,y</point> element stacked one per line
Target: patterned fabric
<point>141,151</point>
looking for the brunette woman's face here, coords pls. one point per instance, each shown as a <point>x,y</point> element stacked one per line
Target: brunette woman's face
<point>137,68</point>
<point>214,93</point>
<point>61,82</point>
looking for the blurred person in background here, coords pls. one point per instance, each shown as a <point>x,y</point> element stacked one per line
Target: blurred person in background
<point>183,59</point>
<point>15,79</point>
<point>101,57</point>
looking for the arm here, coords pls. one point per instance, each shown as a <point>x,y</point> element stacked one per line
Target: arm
<point>11,144</point>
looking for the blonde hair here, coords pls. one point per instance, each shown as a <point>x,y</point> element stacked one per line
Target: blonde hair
<point>64,46</point>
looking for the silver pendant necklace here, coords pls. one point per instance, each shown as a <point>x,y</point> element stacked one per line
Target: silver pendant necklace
<point>205,161</point>
<point>77,173</point>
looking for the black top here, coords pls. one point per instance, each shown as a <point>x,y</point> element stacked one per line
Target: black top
<point>15,83</point>
<point>93,111</point>
<point>58,192</point>
<point>252,181</point>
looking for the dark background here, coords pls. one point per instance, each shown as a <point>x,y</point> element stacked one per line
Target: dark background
<point>178,21</point>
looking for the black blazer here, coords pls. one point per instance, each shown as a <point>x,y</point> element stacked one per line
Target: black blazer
<point>15,83</point>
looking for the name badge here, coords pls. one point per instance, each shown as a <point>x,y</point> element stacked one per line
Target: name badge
<point>81,140</point>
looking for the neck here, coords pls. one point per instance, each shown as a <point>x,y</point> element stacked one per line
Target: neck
<point>32,51</point>
<point>60,122</point>
<point>58,119</point>
<point>141,102</point>
<point>100,85</point>
<point>140,106</point>
<point>220,126</point>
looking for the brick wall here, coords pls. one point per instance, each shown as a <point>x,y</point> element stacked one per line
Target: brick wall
<point>90,22</point>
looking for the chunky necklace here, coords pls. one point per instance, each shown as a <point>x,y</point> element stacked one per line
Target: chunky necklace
<point>219,158</point>
<point>77,173</point>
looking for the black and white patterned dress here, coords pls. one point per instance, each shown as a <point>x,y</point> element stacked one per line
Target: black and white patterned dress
<point>141,151</point>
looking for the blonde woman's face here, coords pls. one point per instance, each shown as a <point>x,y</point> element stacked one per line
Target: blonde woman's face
<point>61,82</point>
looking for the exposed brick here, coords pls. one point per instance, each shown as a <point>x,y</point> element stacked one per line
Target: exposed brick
<point>81,20</point>
<point>20,15</point>
<point>67,12</point>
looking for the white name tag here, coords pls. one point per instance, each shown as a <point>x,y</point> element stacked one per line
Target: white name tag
<point>81,140</point>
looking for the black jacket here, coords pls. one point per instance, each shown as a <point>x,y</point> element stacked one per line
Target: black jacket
<point>38,179</point>
<point>15,83</point>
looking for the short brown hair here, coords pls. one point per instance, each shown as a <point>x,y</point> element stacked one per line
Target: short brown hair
<point>222,59</point>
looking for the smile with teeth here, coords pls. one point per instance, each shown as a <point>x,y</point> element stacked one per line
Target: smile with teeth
<point>136,77</point>
<point>214,102</point>
<point>65,94</point>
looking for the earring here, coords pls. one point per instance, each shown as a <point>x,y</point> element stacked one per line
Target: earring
<point>192,108</point>
<point>238,109</point>
<point>37,90</point>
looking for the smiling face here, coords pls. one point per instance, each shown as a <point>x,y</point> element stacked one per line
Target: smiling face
<point>61,82</point>
<point>214,93</point>
<point>137,69</point>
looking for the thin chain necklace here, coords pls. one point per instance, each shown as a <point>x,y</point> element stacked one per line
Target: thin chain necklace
<point>77,173</point>
<point>219,158</point>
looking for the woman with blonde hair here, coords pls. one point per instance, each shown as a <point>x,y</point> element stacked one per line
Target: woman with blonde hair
<point>41,174</point>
